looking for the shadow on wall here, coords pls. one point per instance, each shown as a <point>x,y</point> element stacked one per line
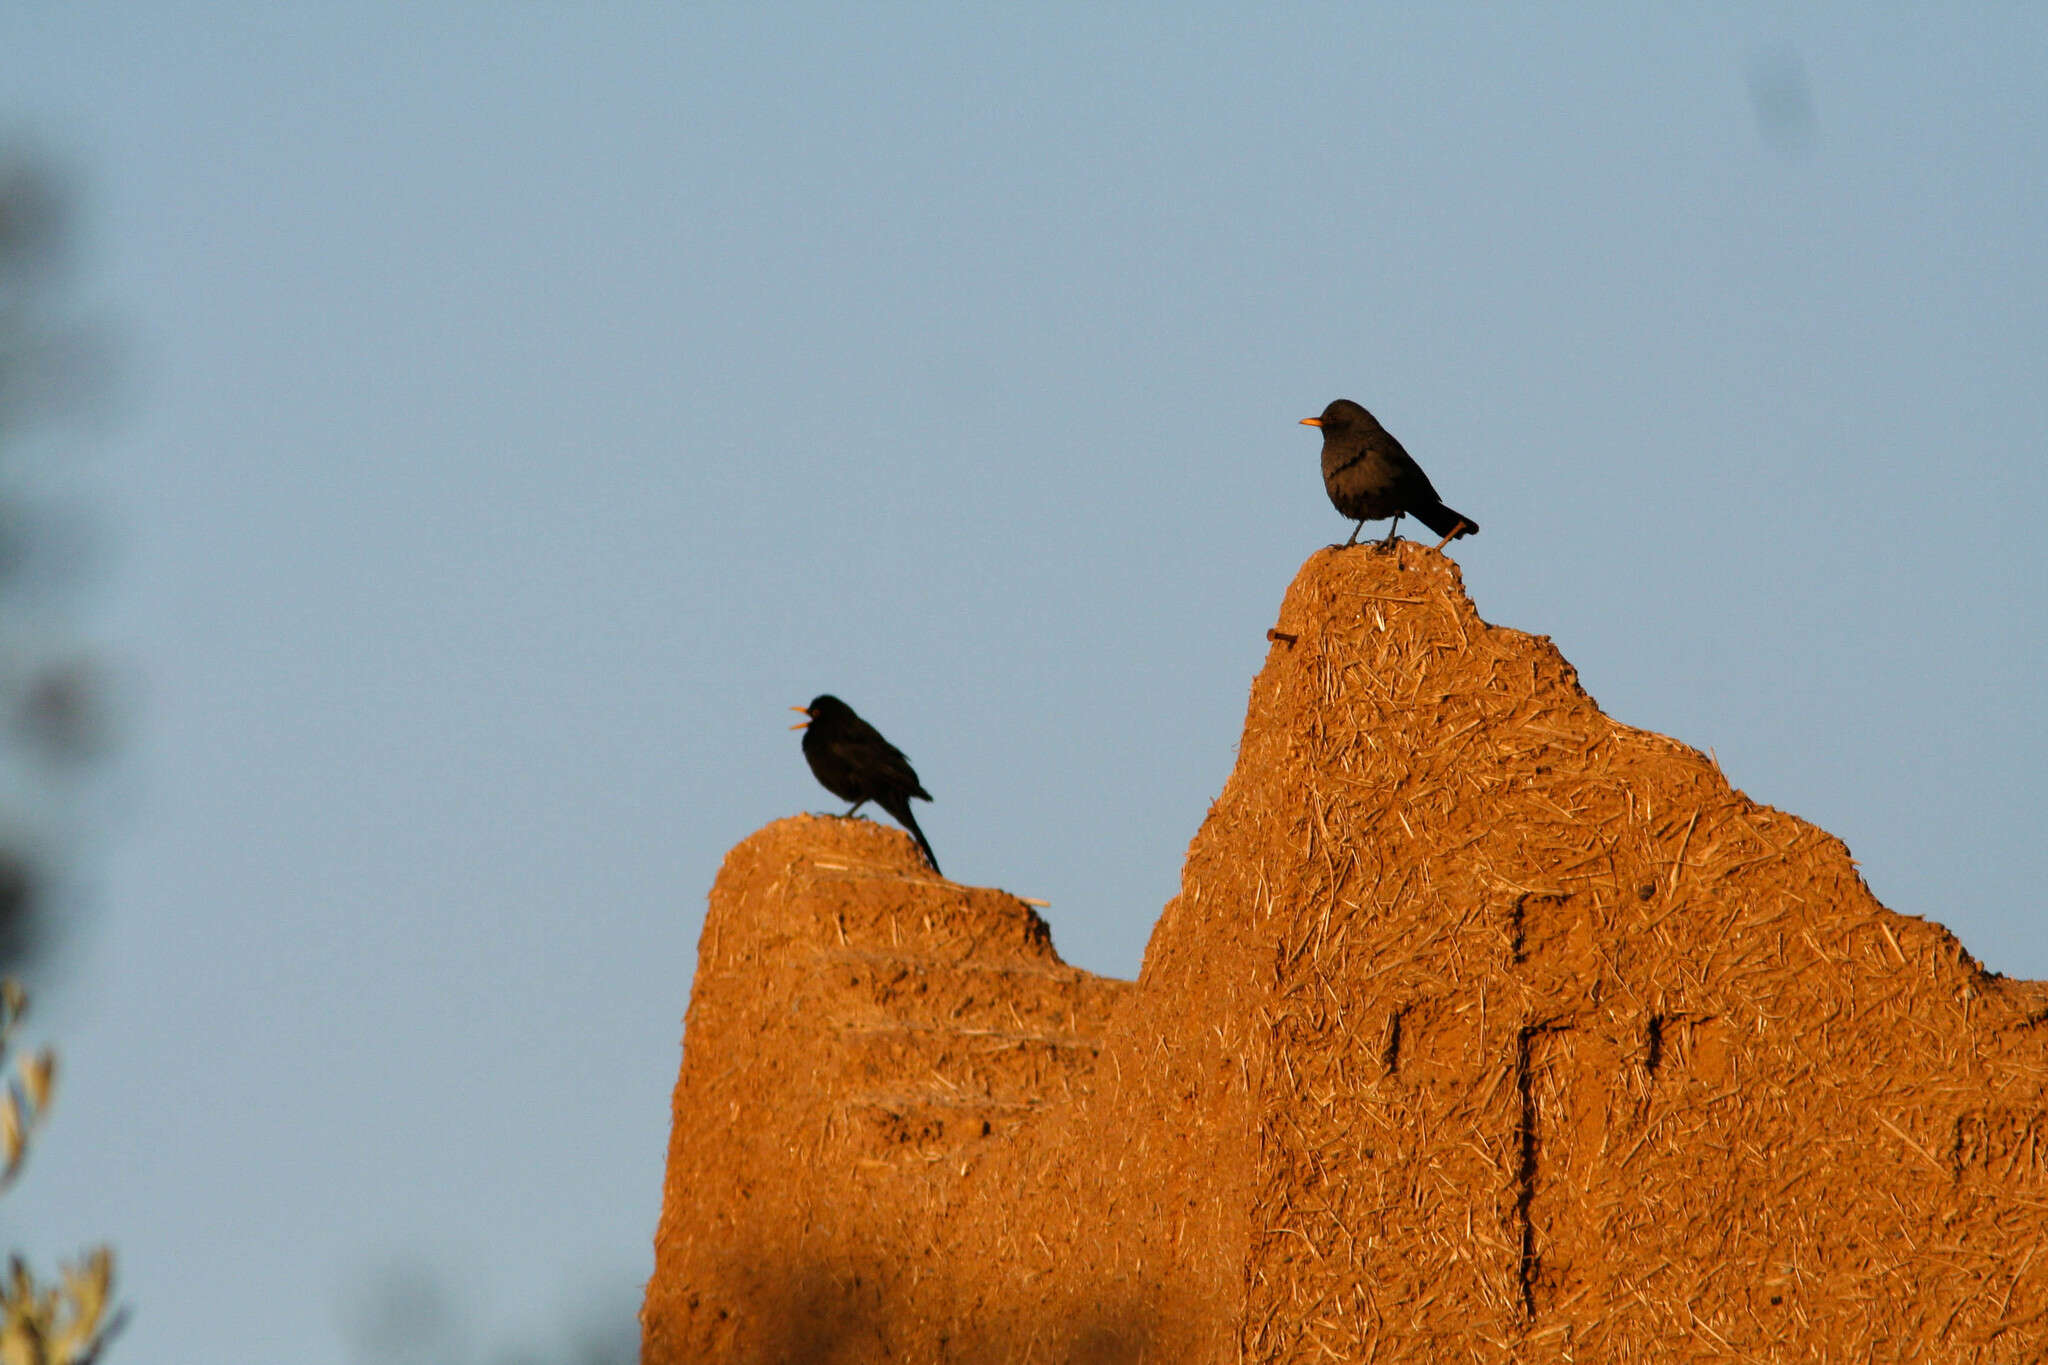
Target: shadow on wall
<point>819,1314</point>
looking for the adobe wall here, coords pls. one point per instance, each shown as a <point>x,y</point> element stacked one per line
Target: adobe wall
<point>1483,1027</point>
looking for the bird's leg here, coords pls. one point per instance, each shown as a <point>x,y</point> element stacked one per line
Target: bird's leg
<point>1388,543</point>
<point>1354,533</point>
<point>852,808</point>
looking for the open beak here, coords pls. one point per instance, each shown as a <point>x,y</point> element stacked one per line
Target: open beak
<point>1311,421</point>
<point>802,711</point>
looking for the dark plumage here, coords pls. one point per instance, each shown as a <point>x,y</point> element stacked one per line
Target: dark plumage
<point>851,760</point>
<point>1368,476</point>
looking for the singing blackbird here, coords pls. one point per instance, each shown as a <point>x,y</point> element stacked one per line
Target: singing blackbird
<point>851,760</point>
<point>1368,476</point>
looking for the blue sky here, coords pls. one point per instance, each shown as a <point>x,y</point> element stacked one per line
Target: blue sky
<point>523,405</point>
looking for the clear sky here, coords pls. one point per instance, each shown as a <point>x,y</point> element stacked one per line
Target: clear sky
<point>524,404</point>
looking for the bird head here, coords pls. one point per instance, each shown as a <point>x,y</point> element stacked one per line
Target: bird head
<point>1339,415</point>
<point>821,708</point>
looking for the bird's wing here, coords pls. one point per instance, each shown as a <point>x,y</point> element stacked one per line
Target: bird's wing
<point>1411,472</point>
<point>863,748</point>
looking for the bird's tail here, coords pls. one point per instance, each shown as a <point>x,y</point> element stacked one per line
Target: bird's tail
<point>1444,521</point>
<point>909,822</point>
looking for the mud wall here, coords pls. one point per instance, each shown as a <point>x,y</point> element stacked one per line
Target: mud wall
<point>1482,1026</point>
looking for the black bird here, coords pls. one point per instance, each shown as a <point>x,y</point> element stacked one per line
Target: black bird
<point>1368,476</point>
<point>851,760</point>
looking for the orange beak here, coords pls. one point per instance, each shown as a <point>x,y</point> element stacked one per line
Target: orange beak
<point>802,723</point>
<point>1311,421</point>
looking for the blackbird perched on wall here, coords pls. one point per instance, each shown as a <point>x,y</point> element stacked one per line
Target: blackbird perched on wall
<point>851,760</point>
<point>1368,476</point>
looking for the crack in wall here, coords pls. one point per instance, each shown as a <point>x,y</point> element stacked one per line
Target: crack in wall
<point>1530,1142</point>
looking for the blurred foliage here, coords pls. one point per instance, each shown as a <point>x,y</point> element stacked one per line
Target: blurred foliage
<point>68,1323</point>
<point>54,713</point>
<point>52,717</point>
<point>25,1098</point>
